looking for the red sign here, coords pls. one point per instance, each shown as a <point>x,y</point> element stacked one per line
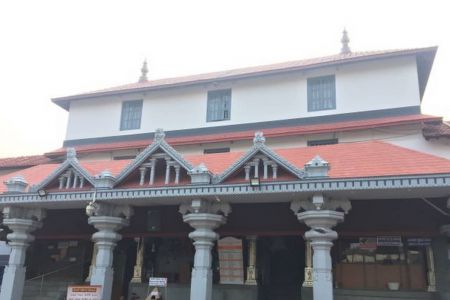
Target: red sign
<point>84,292</point>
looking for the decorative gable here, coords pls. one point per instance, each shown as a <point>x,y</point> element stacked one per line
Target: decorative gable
<point>260,162</point>
<point>158,161</point>
<point>68,176</point>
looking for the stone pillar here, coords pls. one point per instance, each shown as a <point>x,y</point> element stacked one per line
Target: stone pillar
<point>204,216</point>
<point>319,214</point>
<point>107,219</point>
<point>21,221</point>
<point>308,265</point>
<point>93,259</point>
<point>251,268</point>
<point>137,273</point>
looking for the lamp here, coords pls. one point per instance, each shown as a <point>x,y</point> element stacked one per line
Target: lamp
<point>255,182</point>
<point>42,193</point>
<point>90,208</point>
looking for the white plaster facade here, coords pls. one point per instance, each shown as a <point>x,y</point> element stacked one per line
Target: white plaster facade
<point>363,86</point>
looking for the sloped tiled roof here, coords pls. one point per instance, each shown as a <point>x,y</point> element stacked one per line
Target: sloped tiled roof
<point>23,161</point>
<point>249,134</point>
<point>352,160</point>
<point>246,72</point>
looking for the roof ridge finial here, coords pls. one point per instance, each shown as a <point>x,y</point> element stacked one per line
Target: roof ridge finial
<point>345,41</point>
<point>159,135</point>
<point>144,71</point>
<point>71,153</point>
<point>259,139</point>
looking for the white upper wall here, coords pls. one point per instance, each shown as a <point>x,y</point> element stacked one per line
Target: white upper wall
<point>374,85</point>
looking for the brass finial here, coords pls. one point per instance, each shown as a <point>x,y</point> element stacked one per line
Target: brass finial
<point>345,40</point>
<point>144,71</point>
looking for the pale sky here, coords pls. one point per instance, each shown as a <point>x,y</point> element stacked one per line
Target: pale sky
<point>57,48</point>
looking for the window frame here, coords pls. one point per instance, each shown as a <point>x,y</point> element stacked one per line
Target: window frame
<point>318,80</point>
<point>125,114</point>
<point>224,103</point>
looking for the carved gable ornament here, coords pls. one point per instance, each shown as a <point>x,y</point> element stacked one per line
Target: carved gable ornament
<point>157,156</point>
<point>260,162</point>
<point>68,176</point>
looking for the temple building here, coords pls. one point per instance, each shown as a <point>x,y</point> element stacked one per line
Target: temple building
<point>311,179</point>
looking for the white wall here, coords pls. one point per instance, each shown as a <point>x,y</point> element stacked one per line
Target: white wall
<point>379,84</point>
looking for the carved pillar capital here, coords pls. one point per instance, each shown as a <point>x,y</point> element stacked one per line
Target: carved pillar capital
<point>319,201</point>
<point>110,210</point>
<point>17,212</point>
<point>205,206</point>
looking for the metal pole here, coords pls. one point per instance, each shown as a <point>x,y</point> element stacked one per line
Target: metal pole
<point>42,283</point>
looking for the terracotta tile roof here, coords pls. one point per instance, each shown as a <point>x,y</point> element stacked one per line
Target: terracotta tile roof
<point>353,160</point>
<point>249,134</point>
<point>247,72</point>
<point>436,130</point>
<point>216,162</point>
<point>369,159</point>
<point>23,161</point>
<point>33,175</point>
<point>96,167</point>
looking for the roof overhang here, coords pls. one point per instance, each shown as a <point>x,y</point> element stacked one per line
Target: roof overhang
<point>393,187</point>
<point>424,57</point>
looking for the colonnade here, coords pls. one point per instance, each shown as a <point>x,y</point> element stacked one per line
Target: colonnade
<point>318,212</point>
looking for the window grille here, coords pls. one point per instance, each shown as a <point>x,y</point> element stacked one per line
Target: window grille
<point>219,105</point>
<point>321,93</point>
<point>131,115</point>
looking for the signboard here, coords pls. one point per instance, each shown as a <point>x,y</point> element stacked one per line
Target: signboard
<point>157,281</point>
<point>389,241</point>
<point>367,243</point>
<point>231,261</point>
<point>86,292</point>
<point>419,242</point>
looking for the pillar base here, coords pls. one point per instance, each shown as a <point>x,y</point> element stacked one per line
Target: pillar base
<point>201,284</point>
<point>103,277</point>
<point>308,277</point>
<point>251,276</point>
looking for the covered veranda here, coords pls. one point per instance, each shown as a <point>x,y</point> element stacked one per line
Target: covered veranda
<point>310,231</point>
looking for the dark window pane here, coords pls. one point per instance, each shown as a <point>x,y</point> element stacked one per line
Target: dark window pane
<point>131,115</point>
<point>321,93</point>
<point>322,142</point>
<point>218,106</point>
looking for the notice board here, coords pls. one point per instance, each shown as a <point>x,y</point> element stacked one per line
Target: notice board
<point>231,261</point>
<point>84,292</point>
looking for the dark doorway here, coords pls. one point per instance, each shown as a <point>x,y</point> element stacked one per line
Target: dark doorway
<point>281,263</point>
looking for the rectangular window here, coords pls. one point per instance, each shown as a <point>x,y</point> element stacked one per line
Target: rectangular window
<point>322,142</point>
<point>321,93</point>
<point>219,105</point>
<point>131,115</point>
<point>216,150</point>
